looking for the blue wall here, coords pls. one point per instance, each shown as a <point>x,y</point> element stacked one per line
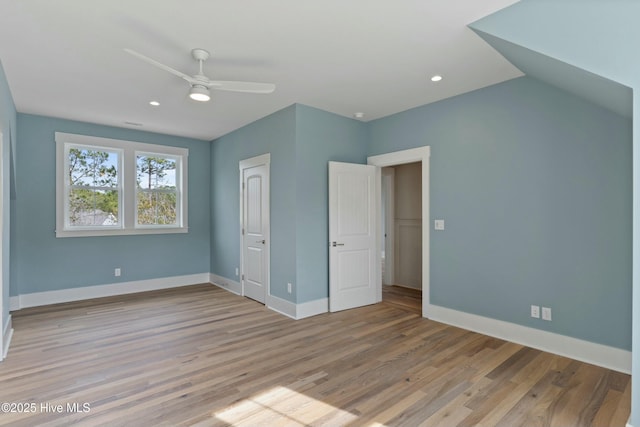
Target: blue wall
<point>8,128</point>
<point>535,187</point>
<point>273,134</point>
<point>42,262</point>
<point>320,137</point>
<point>301,141</point>
<point>600,37</point>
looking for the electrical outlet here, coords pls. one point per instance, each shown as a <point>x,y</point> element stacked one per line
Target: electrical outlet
<point>117,272</point>
<point>438,224</point>
<point>535,311</point>
<point>289,287</point>
<point>546,313</point>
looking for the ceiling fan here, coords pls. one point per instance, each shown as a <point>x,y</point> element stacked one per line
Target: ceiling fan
<point>200,84</point>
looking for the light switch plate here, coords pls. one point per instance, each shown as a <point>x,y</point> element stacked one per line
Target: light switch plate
<point>439,224</point>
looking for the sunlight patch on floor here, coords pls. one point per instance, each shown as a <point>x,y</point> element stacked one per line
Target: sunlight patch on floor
<point>282,406</point>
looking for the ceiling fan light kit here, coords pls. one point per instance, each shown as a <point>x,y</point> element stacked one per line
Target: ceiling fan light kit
<point>199,93</point>
<point>200,84</point>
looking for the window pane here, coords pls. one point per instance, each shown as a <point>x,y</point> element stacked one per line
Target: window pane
<point>93,207</point>
<point>156,172</point>
<point>157,208</point>
<point>93,168</point>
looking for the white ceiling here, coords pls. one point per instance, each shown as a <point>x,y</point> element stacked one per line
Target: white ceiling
<point>65,58</point>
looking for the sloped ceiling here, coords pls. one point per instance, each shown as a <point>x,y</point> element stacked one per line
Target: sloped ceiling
<point>598,90</point>
<point>585,47</point>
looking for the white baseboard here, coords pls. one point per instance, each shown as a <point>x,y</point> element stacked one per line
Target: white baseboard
<point>312,308</point>
<point>14,303</point>
<point>279,305</point>
<point>282,306</point>
<point>585,351</point>
<point>99,291</point>
<point>224,283</point>
<point>7,334</point>
<point>298,311</point>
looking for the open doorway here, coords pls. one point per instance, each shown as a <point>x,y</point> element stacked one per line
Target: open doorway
<point>401,220</point>
<point>420,156</point>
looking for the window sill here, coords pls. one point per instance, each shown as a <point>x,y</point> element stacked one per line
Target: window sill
<point>121,232</point>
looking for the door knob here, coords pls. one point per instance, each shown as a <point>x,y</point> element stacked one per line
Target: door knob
<point>260,241</point>
<point>334,244</point>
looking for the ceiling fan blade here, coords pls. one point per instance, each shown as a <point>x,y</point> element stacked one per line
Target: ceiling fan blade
<point>160,65</point>
<point>248,87</point>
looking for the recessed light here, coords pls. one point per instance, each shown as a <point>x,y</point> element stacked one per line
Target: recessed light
<point>154,103</point>
<point>436,78</point>
<point>358,115</point>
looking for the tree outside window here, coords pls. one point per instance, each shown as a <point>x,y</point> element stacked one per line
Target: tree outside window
<point>93,198</point>
<point>157,193</point>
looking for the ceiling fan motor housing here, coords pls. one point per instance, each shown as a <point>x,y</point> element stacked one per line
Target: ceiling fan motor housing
<point>200,54</point>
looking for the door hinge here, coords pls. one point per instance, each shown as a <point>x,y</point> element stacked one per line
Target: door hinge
<point>242,277</point>
<point>243,185</point>
<point>243,231</point>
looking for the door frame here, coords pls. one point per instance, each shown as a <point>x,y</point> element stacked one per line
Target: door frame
<point>388,242</point>
<point>264,159</point>
<point>420,154</point>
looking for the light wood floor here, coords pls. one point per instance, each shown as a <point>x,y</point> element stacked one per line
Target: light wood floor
<point>406,298</point>
<point>202,356</point>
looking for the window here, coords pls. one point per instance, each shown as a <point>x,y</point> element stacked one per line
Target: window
<point>111,187</point>
<point>93,196</point>
<point>156,190</point>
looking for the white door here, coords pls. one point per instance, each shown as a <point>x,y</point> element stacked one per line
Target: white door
<point>353,228</point>
<point>255,227</point>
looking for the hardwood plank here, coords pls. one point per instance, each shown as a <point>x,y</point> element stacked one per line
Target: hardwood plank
<point>607,410</point>
<point>199,355</point>
<point>532,408</point>
<point>582,397</point>
<point>621,413</point>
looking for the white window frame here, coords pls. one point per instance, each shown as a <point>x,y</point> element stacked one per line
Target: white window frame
<point>127,151</point>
